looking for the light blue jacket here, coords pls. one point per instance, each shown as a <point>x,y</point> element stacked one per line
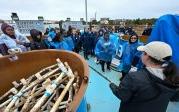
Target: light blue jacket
<point>70,42</point>
<point>128,54</point>
<point>60,45</point>
<point>52,35</point>
<point>11,43</point>
<point>105,50</point>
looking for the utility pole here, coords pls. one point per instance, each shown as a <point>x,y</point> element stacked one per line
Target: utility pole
<point>95,15</point>
<point>86,12</point>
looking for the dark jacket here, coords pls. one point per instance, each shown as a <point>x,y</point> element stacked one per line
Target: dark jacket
<point>37,45</point>
<point>3,49</point>
<point>147,31</point>
<point>86,41</point>
<point>143,92</point>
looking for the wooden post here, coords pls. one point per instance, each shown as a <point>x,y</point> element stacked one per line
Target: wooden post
<point>57,103</point>
<point>47,93</point>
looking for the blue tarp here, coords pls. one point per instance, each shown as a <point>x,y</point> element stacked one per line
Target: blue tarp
<point>83,106</point>
<point>167,30</point>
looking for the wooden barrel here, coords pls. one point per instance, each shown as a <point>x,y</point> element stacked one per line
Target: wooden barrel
<point>29,63</point>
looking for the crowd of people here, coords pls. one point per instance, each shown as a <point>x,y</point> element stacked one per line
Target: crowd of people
<point>148,89</point>
<point>103,44</point>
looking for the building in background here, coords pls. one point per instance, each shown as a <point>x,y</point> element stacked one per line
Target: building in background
<point>14,16</point>
<point>41,18</point>
<point>74,24</point>
<point>81,19</point>
<point>104,21</point>
<point>68,19</point>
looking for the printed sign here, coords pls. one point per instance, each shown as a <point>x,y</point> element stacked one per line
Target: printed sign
<point>24,26</point>
<point>73,24</point>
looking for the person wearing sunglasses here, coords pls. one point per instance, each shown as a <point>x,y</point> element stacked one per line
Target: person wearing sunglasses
<point>128,54</point>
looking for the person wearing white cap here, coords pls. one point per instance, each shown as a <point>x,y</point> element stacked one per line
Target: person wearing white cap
<point>149,89</point>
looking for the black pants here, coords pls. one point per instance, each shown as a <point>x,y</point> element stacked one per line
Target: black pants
<point>123,75</point>
<point>93,52</point>
<point>76,49</point>
<point>103,63</point>
<point>85,54</point>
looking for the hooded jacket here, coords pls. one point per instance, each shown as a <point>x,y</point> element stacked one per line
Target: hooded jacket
<point>105,50</point>
<point>166,30</point>
<point>142,91</point>
<point>128,54</point>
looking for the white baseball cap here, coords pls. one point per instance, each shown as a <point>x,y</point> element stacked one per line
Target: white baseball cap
<point>157,50</point>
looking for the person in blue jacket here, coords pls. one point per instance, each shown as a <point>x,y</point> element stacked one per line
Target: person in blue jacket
<point>128,54</point>
<point>114,38</point>
<point>120,45</point>
<point>59,43</point>
<point>105,49</point>
<point>99,35</point>
<point>51,34</point>
<point>68,39</point>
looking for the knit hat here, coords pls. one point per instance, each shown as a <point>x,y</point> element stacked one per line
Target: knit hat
<point>4,26</point>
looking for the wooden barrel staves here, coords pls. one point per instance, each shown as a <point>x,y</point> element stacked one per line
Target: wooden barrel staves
<point>43,75</point>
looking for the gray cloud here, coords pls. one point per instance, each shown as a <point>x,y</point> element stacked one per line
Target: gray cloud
<point>61,9</point>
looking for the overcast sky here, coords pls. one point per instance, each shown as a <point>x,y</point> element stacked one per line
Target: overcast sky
<point>61,9</point>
